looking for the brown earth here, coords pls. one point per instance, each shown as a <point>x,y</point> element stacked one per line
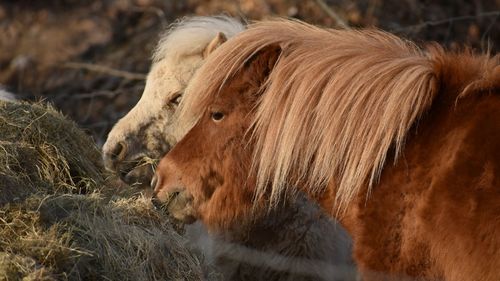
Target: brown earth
<point>40,41</point>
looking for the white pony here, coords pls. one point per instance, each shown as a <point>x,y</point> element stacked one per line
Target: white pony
<point>150,129</point>
<point>290,242</point>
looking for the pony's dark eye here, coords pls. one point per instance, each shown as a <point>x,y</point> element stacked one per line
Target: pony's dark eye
<point>217,116</point>
<point>176,99</point>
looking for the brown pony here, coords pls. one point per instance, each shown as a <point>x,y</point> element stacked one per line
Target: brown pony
<point>399,143</point>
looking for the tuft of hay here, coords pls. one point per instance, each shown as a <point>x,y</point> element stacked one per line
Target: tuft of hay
<point>27,249</point>
<point>56,222</point>
<point>40,149</point>
<point>15,267</point>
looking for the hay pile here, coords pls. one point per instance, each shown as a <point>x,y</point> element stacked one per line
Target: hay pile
<point>41,151</point>
<point>56,223</point>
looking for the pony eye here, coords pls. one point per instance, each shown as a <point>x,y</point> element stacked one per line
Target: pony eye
<point>176,100</point>
<point>217,116</point>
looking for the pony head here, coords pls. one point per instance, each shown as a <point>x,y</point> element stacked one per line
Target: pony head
<point>201,178</point>
<point>150,129</point>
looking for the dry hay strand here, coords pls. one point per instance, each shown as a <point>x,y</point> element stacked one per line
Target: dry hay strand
<point>56,222</point>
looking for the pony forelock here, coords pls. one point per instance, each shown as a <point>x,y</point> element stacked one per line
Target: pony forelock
<point>333,106</point>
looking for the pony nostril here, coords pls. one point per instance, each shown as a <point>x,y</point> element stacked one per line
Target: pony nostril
<point>119,152</point>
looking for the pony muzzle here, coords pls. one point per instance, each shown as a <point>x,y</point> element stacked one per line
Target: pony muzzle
<point>174,199</point>
<point>114,153</point>
<point>128,161</point>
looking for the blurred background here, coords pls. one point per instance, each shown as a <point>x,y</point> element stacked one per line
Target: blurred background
<point>89,58</point>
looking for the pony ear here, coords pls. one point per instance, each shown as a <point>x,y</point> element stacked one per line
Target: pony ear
<point>214,44</point>
<point>261,64</point>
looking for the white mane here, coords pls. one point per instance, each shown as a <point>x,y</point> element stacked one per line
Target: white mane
<point>190,35</point>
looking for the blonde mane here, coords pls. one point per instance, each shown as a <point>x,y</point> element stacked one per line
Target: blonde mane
<point>333,106</point>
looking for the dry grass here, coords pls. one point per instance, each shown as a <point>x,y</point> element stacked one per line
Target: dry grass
<point>41,151</point>
<point>57,224</point>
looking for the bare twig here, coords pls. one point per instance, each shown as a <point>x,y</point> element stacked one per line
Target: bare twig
<point>338,20</point>
<point>490,26</point>
<point>106,94</point>
<point>445,21</point>
<point>106,70</point>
